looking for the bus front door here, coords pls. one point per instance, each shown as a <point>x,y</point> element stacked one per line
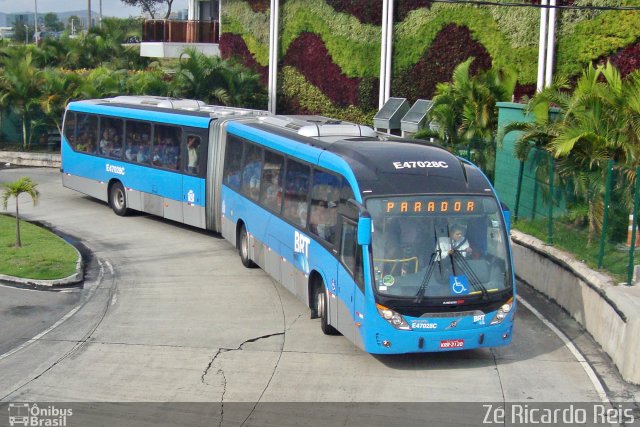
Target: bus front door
<point>347,276</point>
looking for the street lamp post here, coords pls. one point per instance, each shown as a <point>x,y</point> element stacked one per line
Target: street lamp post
<point>73,27</point>
<point>26,34</point>
<point>35,24</point>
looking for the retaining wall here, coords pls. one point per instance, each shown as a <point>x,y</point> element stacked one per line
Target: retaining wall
<point>30,159</point>
<point>610,312</point>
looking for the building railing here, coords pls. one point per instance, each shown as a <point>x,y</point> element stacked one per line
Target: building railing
<point>169,31</point>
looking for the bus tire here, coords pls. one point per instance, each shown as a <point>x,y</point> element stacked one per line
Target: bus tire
<point>322,299</point>
<point>243,248</point>
<point>118,199</point>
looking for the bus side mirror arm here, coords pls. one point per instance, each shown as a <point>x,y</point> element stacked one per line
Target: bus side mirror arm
<point>364,223</point>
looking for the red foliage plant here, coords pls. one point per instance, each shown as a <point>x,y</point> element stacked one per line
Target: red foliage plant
<point>453,45</point>
<point>308,54</point>
<point>259,5</point>
<point>370,11</point>
<point>627,60</point>
<point>233,46</point>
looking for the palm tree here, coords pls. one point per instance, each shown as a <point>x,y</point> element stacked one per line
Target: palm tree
<point>14,189</point>
<point>466,111</point>
<point>598,121</point>
<point>215,80</point>
<point>20,89</point>
<point>58,88</point>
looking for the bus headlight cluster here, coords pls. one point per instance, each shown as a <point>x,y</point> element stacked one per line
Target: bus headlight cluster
<point>395,319</point>
<point>502,312</point>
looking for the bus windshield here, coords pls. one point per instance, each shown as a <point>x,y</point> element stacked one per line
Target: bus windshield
<point>438,246</point>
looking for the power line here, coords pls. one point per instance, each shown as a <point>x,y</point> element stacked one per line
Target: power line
<point>536,6</point>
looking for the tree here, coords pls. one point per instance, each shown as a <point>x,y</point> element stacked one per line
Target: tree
<point>73,25</point>
<point>52,23</point>
<point>58,88</point>
<point>20,89</point>
<point>465,110</point>
<point>15,189</point>
<point>151,6</point>
<point>215,80</point>
<point>596,122</point>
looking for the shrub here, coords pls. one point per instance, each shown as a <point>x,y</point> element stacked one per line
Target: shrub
<point>452,46</point>
<point>233,46</point>
<point>309,55</point>
<point>370,11</point>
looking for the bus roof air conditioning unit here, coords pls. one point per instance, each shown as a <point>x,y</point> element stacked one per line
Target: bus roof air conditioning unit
<point>159,101</point>
<point>389,116</point>
<point>416,117</point>
<point>343,129</point>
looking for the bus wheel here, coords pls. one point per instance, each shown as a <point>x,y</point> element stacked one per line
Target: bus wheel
<point>118,199</point>
<point>243,249</point>
<point>322,300</point>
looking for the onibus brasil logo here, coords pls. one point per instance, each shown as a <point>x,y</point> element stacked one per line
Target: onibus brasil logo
<point>30,414</point>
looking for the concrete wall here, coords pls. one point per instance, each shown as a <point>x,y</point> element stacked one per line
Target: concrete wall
<point>30,159</point>
<point>609,312</point>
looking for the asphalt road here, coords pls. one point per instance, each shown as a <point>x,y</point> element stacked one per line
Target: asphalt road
<point>169,314</point>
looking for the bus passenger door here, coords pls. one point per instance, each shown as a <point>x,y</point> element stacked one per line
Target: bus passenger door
<point>347,278</point>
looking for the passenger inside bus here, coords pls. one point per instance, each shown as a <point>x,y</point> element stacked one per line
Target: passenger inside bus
<point>406,250</point>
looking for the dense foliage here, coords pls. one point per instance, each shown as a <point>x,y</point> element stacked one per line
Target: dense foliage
<point>36,82</point>
<point>429,41</point>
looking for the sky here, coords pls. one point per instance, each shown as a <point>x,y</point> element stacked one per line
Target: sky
<point>109,7</point>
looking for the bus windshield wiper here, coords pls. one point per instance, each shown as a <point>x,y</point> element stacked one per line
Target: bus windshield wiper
<point>468,271</point>
<point>426,278</point>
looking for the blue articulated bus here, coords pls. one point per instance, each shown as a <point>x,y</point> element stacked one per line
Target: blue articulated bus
<point>396,244</point>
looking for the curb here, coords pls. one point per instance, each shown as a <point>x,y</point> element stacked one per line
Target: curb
<point>74,279</point>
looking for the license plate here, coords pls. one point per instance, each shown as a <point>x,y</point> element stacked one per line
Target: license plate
<point>451,343</point>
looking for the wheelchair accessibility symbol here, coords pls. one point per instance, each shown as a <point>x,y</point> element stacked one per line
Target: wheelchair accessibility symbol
<point>459,285</point>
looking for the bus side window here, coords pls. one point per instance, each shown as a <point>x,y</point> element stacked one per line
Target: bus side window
<point>325,196</point>
<point>346,193</point>
<point>166,147</point>
<point>233,162</point>
<point>70,128</point>
<point>271,190</point>
<point>137,142</point>
<point>351,252</point>
<point>251,171</point>
<point>195,156</point>
<point>296,192</point>
<point>111,134</point>
<point>87,133</point>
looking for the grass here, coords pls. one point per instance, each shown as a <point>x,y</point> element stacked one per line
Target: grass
<point>574,240</point>
<point>43,255</point>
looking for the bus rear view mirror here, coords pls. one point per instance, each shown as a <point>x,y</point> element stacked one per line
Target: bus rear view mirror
<point>364,230</point>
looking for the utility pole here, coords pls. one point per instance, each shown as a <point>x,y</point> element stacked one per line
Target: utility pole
<point>35,24</point>
<point>100,13</point>
<point>88,15</point>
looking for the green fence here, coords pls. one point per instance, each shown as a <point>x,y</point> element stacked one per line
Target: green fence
<point>588,213</point>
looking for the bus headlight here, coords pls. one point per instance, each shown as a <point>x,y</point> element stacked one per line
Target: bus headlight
<point>502,312</point>
<point>395,319</point>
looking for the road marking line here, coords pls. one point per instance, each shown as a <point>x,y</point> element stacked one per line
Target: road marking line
<point>59,322</point>
<point>41,334</point>
<point>597,384</point>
